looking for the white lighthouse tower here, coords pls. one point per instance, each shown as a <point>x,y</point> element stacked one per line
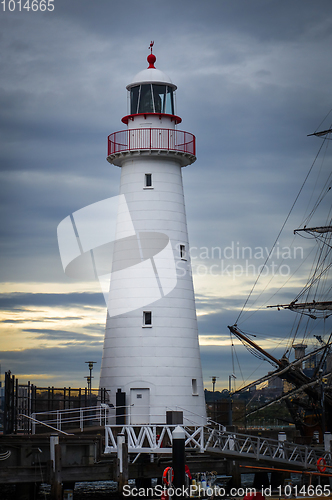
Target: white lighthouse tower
<point>151,351</point>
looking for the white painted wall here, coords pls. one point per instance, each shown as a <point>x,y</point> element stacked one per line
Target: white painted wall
<point>165,357</point>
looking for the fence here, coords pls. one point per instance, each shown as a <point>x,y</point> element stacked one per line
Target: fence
<point>151,138</point>
<point>27,399</point>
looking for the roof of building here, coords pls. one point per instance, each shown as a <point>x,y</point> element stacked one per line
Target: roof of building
<point>151,75</point>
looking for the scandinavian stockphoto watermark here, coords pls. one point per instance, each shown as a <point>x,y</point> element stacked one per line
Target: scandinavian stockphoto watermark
<point>100,242</point>
<point>235,260</point>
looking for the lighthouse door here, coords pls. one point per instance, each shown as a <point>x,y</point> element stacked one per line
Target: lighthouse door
<point>139,406</point>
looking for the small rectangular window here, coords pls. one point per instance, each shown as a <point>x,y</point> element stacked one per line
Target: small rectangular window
<point>183,252</point>
<point>147,318</point>
<point>194,386</point>
<point>148,180</point>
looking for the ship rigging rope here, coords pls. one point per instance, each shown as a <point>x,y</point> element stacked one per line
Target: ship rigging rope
<point>280,288</point>
<point>234,353</point>
<point>315,278</point>
<point>322,121</point>
<point>277,238</point>
<point>325,189</point>
<point>250,376</point>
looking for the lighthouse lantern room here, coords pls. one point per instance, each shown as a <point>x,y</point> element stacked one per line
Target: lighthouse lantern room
<point>151,352</point>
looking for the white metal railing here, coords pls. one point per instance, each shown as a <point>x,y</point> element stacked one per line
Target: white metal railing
<point>260,448</point>
<point>151,138</point>
<point>151,438</point>
<point>158,439</point>
<point>82,417</point>
<point>74,417</point>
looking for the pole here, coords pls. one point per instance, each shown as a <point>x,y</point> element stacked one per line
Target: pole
<point>89,378</point>
<point>230,408</point>
<point>256,346</point>
<point>56,483</point>
<point>178,459</point>
<point>122,462</point>
<point>322,402</point>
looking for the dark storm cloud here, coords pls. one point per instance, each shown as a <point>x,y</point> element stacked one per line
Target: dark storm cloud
<point>17,321</point>
<point>61,335</point>
<point>270,323</point>
<point>12,301</point>
<point>222,362</point>
<point>253,80</point>
<point>267,19</point>
<point>50,360</point>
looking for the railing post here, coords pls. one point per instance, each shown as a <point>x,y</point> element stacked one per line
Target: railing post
<point>306,457</point>
<point>282,440</point>
<point>202,440</point>
<point>258,446</point>
<point>122,462</point>
<point>154,430</point>
<point>33,425</point>
<point>106,437</point>
<point>81,420</point>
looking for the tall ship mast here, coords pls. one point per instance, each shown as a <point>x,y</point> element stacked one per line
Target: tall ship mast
<point>309,390</point>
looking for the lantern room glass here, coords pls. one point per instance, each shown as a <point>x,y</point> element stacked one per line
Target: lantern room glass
<point>151,98</point>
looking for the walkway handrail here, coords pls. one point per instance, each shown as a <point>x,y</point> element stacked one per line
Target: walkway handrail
<point>43,423</point>
<point>151,139</point>
<point>158,439</point>
<point>79,416</point>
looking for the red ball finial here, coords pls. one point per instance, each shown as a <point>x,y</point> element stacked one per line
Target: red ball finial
<point>151,58</point>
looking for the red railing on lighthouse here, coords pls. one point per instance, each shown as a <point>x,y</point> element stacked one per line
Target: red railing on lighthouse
<point>151,138</point>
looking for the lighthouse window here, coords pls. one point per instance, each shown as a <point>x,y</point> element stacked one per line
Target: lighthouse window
<point>159,93</point>
<point>183,252</point>
<point>147,318</point>
<point>169,102</point>
<point>134,95</point>
<point>194,386</point>
<point>146,102</point>
<point>148,181</point>
<point>151,98</point>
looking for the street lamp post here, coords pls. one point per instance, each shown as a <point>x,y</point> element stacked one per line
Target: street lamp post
<point>89,379</point>
<point>214,380</point>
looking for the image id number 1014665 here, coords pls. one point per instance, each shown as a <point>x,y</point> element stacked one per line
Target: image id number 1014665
<point>307,491</point>
<point>27,5</point>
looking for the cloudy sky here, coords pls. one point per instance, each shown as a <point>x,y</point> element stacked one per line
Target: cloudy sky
<point>253,77</point>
